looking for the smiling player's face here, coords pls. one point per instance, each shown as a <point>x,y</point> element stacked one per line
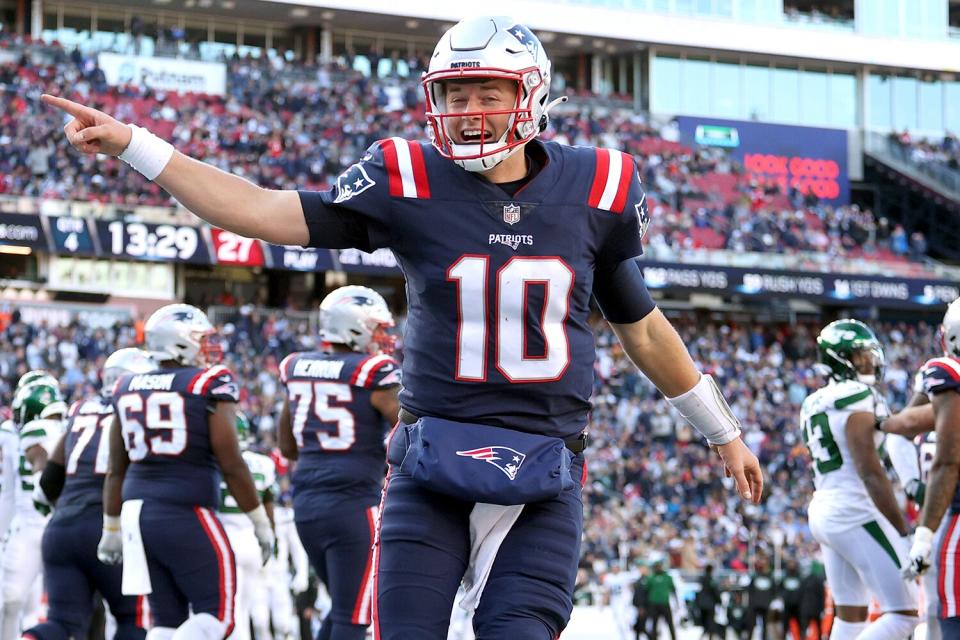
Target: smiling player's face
<point>475,97</point>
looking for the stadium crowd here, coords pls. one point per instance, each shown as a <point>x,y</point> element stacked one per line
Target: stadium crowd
<point>653,490</point>
<point>944,152</point>
<point>289,125</point>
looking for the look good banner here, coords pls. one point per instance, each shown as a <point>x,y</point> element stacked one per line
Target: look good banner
<point>807,158</point>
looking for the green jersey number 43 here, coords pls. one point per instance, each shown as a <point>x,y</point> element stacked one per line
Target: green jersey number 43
<point>823,448</point>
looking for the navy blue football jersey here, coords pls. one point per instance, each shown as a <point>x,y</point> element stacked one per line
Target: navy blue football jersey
<point>498,286</point>
<point>940,375</point>
<point>164,418</point>
<point>86,452</point>
<point>339,434</point>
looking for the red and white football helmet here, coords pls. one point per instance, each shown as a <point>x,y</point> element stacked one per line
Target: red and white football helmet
<point>481,48</point>
<point>184,334</point>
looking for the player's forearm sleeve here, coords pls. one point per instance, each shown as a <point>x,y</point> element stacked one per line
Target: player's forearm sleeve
<point>52,480</point>
<point>329,227</point>
<point>622,293</point>
<point>903,456</point>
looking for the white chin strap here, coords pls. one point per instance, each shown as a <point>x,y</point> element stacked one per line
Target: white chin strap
<point>485,163</point>
<point>866,379</point>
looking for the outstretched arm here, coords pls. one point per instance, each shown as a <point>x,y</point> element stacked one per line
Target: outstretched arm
<point>655,347</point>
<point>222,199</point>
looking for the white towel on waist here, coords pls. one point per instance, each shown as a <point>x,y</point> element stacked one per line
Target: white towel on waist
<point>136,574</point>
<point>489,525</point>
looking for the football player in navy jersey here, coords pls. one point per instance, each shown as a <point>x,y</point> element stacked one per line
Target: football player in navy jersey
<point>941,383</point>
<point>339,405</point>
<point>73,480</point>
<point>172,437</point>
<point>503,240</point>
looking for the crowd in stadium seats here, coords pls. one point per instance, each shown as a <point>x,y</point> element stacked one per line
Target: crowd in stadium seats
<point>297,126</point>
<point>944,152</point>
<point>653,489</point>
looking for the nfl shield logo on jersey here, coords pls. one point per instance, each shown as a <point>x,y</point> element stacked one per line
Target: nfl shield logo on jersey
<point>511,213</point>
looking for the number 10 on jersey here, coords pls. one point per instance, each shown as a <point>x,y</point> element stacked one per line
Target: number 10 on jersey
<point>511,285</point>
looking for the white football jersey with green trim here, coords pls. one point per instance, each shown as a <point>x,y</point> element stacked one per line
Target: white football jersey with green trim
<point>45,433</point>
<point>823,422</point>
<point>264,473</point>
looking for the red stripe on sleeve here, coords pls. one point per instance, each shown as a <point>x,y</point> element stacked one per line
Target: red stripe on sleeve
<point>285,368</point>
<point>373,372</point>
<point>419,169</point>
<point>356,372</point>
<point>627,170</point>
<point>215,373</point>
<point>946,367</point>
<point>599,177</point>
<point>389,149</point>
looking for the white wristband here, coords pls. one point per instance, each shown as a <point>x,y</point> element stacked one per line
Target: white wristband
<point>923,534</point>
<point>111,523</point>
<point>258,516</point>
<point>704,407</point>
<point>146,152</point>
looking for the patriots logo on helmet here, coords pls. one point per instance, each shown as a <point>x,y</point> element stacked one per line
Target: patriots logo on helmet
<point>504,458</point>
<point>525,37</point>
<point>352,182</point>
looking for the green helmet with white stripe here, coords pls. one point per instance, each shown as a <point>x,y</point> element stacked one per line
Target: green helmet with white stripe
<point>38,400</point>
<point>840,344</point>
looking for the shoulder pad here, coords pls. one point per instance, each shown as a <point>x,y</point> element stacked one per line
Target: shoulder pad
<point>851,393</point>
<point>940,374</point>
<point>376,371</point>
<point>215,383</point>
<point>612,174</point>
<point>286,366</point>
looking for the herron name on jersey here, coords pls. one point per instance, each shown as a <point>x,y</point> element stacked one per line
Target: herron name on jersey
<point>339,433</point>
<point>823,417</point>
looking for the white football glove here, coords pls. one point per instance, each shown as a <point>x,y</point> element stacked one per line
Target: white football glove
<point>264,532</point>
<point>110,549</point>
<point>300,583</point>
<point>919,559</point>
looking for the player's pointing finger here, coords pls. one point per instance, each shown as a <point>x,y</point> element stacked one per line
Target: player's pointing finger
<point>75,109</point>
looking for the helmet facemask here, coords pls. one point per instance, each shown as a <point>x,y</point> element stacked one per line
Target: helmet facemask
<point>869,357</point>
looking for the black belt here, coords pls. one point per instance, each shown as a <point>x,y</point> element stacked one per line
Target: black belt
<point>576,444</point>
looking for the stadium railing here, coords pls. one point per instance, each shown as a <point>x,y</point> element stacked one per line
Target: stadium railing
<point>898,155</point>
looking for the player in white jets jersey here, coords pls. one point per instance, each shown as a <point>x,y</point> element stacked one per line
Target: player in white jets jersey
<point>38,411</point>
<point>9,448</point>
<point>854,514</point>
<point>240,531</point>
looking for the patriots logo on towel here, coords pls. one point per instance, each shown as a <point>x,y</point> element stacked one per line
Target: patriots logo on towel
<point>352,182</point>
<point>504,458</point>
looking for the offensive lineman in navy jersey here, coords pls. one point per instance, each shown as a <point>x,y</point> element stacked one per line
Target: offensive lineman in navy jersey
<point>172,438</point>
<point>73,480</point>
<point>941,383</point>
<point>340,404</point>
<point>503,239</point>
